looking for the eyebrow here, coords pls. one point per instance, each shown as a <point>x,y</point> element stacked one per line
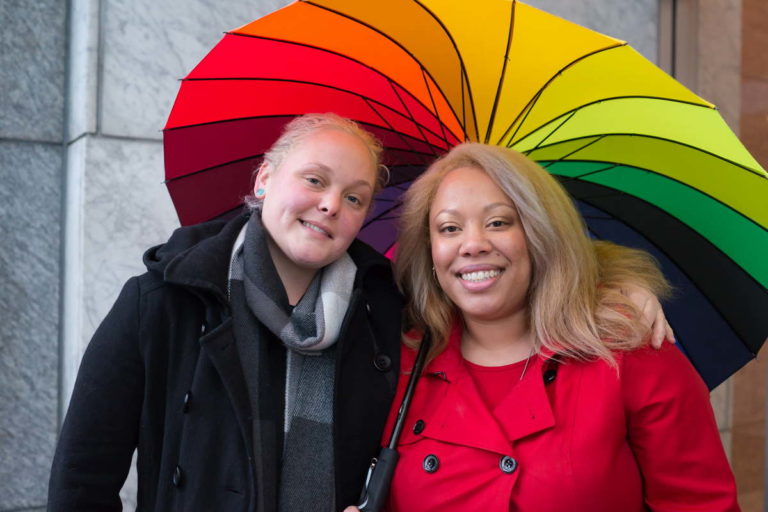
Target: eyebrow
<point>360,182</point>
<point>451,211</point>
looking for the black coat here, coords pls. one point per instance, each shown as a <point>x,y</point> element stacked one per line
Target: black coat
<point>162,373</point>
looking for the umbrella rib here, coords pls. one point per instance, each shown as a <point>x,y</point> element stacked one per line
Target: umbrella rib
<point>201,171</point>
<point>392,128</point>
<point>568,118</point>
<point>381,215</point>
<point>462,66</point>
<point>651,171</point>
<point>531,103</point>
<point>597,139</point>
<point>303,82</point>
<point>325,50</point>
<point>258,155</point>
<point>682,270</point>
<point>596,171</point>
<point>410,114</point>
<point>605,100</point>
<point>497,98</point>
<point>361,22</point>
<point>434,105</point>
<point>656,137</point>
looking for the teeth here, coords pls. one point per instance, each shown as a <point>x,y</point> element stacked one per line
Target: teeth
<point>480,276</point>
<point>312,226</point>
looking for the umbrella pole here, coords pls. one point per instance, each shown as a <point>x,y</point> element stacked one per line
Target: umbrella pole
<point>379,478</point>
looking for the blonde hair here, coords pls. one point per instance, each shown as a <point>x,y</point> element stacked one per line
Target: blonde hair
<point>575,303</point>
<point>308,124</point>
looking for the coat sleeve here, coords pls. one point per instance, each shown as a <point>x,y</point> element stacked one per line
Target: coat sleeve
<point>673,434</point>
<point>100,431</point>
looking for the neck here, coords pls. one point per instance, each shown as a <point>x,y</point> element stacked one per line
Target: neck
<point>295,279</point>
<point>497,342</point>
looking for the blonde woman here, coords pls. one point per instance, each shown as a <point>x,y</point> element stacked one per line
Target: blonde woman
<point>540,393</point>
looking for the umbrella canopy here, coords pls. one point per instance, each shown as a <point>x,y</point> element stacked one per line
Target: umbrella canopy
<point>650,163</point>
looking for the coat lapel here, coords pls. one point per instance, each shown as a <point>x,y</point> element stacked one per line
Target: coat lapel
<point>219,346</point>
<point>462,417</point>
<point>526,410</point>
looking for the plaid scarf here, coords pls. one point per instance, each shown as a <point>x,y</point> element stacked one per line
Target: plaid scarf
<point>288,358</point>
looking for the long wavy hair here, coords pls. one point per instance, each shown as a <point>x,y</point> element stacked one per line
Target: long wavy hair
<point>575,304</point>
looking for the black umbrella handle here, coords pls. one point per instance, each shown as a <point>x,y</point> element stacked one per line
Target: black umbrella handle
<point>376,488</point>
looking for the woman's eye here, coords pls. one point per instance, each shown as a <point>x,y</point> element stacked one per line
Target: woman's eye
<point>449,229</point>
<point>355,200</point>
<point>497,223</point>
<point>313,181</point>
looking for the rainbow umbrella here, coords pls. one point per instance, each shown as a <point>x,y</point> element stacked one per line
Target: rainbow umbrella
<point>650,163</point>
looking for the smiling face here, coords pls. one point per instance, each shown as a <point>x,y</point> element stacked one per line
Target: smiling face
<point>479,249</point>
<point>316,200</point>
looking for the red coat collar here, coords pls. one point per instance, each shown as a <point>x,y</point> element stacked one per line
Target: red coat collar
<point>461,416</point>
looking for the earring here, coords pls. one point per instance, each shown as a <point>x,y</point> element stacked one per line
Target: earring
<point>260,193</point>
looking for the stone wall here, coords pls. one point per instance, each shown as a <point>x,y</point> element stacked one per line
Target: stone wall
<point>32,91</point>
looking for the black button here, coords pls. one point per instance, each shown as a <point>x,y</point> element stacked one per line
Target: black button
<point>549,376</point>
<point>431,463</point>
<point>508,464</point>
<point>187,399</point>
<point>177,477</point>
<point>382,362</point>
<point>418,427</point>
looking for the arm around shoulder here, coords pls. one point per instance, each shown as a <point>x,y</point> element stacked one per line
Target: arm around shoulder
<point>100,431</point>
<point>673,433</point>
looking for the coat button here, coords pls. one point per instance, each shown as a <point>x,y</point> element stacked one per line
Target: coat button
<point>549,376</point>
<point>178,477</point>
<point>508,464</point>
<point>382,362</point>
<point>418,427</point>
<point>431,463</point>
<point>187,399</point>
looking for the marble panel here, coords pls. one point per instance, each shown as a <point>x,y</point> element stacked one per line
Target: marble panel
<point>30,206</point>
<point>634,21</point>
<point>149,45</point>
<point>749,391</point>
<point>719,57</point>
<point>720,398</point>
<point>32,69</point>
<point>125,209</point>
<point>83,68</point>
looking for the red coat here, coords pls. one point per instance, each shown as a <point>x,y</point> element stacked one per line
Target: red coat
<point>575,436</point>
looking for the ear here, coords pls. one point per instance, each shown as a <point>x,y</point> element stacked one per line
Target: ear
<point>262,177</point>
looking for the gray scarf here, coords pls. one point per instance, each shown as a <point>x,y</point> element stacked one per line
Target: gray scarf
<point>298,476</point>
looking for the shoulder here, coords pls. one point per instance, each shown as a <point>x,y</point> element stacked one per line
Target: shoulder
<point>664,374</point>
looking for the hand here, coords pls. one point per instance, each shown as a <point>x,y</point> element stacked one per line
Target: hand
<point>351,509</point>
<point>653,314</point>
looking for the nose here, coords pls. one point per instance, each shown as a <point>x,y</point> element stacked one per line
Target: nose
<point>475,242</point>
<point>329,204</point>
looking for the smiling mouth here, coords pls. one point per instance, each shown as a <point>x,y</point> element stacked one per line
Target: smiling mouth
<point>315,228</point>
<point>478,276</point>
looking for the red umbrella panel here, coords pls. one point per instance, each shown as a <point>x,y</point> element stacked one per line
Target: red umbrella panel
<point>231,108</point>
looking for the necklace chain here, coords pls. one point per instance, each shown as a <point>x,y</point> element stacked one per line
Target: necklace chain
<point>527,360</point>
